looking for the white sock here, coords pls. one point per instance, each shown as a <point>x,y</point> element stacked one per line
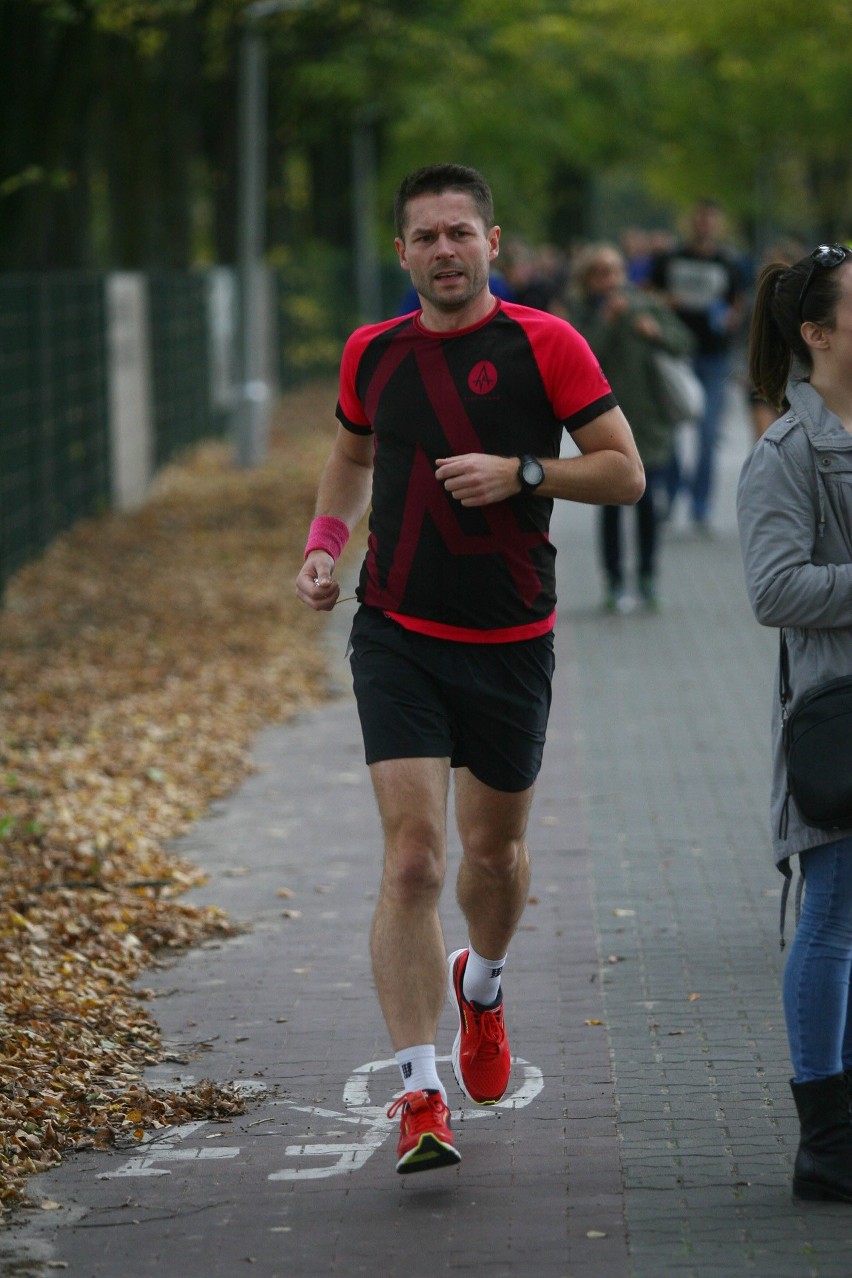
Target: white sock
<point>481,980</point>
<point>418,1069</point>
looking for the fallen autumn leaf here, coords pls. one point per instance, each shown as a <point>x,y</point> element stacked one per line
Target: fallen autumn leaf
<point>138,657</point>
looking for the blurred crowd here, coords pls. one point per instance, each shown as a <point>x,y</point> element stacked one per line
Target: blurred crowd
<point>649,297</point>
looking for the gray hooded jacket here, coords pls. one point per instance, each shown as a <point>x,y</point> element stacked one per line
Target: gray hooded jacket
<point>794,508</point>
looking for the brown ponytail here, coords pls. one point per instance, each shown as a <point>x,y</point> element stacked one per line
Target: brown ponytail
<point>770,343</point>
<point>775,338</point>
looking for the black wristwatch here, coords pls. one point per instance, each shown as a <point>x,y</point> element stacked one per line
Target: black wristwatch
<point>530,473</point>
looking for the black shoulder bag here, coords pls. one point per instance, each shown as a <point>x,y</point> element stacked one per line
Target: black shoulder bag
<point>818,750</point>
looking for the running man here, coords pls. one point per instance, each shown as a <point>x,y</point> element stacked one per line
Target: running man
<point>450,425</point>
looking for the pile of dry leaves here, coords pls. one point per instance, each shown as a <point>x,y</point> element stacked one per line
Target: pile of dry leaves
<point>137,659</point>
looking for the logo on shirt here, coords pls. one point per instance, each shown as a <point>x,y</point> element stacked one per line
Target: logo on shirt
<point>482,378</point>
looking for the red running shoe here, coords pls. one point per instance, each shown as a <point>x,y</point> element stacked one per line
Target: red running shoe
<point>425,1139</point>
<point>481,1059</point>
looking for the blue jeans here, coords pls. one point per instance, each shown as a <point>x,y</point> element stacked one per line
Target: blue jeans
<point>713,372</point>
<point>816,978</point>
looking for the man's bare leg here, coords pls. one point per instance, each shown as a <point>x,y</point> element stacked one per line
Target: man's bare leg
<point>492,887</point>
<point>494,875</point>
<point>406,942</point>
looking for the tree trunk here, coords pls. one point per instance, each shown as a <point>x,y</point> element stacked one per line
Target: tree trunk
<point>46,95</point>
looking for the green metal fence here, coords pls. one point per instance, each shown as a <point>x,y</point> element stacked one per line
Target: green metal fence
<point>180,362</point>
<point>55,438</point>
<point>58,352</point>
<point>315,313</point>
<point>54,454</point>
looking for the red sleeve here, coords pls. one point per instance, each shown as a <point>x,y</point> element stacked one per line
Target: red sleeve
<point>575,381</point>
<point>350,410</point>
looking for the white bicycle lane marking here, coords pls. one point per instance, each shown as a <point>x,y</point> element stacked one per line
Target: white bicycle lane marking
<point>370,1121</point>
<point>167,1147</point>
<point>375,1124</point>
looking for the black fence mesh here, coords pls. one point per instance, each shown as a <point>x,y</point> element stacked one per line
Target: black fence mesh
<point>54,442</point>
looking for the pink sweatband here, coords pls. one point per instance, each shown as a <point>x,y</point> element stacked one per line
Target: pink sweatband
<point>329,534</point>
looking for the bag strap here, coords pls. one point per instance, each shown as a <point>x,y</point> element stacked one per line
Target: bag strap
<point>785,892</point>
<point>783,673</point>
<point>784,697</point>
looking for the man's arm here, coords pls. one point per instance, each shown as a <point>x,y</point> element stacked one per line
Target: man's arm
<point>344,492</point>
<point>607,473</point>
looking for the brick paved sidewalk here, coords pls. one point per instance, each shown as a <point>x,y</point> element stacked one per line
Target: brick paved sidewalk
<point>672,712</point>
<point>649,1131</point>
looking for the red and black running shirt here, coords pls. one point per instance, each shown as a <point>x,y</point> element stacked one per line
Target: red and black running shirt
<point>507,385</point>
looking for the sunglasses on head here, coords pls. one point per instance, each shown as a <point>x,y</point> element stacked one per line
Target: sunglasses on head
<point>824,257</point>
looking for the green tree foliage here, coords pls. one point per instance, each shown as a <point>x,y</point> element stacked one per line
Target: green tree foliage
<point>118,117</point>
<point>746,99</point>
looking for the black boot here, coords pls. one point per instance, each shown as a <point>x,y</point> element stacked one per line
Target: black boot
<point>824,1160</point>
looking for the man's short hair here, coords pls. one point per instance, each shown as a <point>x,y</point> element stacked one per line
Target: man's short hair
<point>434,179</point>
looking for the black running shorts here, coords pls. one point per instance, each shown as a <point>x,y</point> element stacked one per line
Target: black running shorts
<point>483,706</point>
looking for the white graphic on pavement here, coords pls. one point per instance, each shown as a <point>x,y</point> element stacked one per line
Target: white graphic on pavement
<point>374,1124</point>
<point>366,1122</point>
<point>167,1147</point>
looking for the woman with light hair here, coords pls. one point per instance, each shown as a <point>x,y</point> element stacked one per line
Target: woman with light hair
<point>624,327</point>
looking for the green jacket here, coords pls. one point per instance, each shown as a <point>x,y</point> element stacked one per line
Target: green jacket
<point>626,358</point>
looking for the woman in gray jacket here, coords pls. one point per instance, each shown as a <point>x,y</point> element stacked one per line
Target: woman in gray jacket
<point>794,508</point>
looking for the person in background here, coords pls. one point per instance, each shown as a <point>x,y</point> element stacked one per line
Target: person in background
<point>794,508</point>
<point>641,248</point>
<point>624,327</point>
<point>537,276</point>
<point>451,420</point>
<point>703,281</point>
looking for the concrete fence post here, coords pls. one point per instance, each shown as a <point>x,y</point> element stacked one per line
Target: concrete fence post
<point>130,391</point>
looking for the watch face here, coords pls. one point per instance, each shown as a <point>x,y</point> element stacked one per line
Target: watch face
<point>533,473</point>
